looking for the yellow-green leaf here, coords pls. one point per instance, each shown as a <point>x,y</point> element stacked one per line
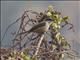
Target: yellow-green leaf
<point>25,57</point>
<point>54,46</point>
<point>65,18</point>
<point>49,14</point>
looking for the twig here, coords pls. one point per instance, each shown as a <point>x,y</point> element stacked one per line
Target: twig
<point>40,41</point>
<point>10,26</point>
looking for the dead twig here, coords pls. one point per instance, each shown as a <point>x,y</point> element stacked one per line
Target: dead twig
<point>40,41</point>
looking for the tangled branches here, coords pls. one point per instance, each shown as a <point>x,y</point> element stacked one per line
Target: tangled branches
<point>42,41</point>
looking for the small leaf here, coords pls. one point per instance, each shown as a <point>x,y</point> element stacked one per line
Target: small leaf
<point>65,18</point>
<point>54,46</point>
<point>49,14</point>
<point>59,20</point>
<point>25,57</point>
<point>50,8</point>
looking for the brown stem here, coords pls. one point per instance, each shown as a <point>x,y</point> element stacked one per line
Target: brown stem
<point>40,41</point>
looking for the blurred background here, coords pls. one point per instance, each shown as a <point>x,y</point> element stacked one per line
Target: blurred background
<point>12,10</point>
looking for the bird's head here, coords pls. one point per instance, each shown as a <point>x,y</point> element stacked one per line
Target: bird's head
<point>48,19</point>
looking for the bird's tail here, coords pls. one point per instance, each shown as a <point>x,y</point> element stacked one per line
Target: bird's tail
<point>26,32</point>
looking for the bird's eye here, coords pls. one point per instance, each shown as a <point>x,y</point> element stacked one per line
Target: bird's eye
<point>50,42</point>
<point>48,19</point>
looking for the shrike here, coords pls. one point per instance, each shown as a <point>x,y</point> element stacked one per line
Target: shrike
<point>38,28</point>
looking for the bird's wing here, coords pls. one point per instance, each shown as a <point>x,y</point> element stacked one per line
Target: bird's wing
<point>37,26</point>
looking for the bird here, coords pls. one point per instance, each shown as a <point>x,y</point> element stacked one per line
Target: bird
<point>38,28</point>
